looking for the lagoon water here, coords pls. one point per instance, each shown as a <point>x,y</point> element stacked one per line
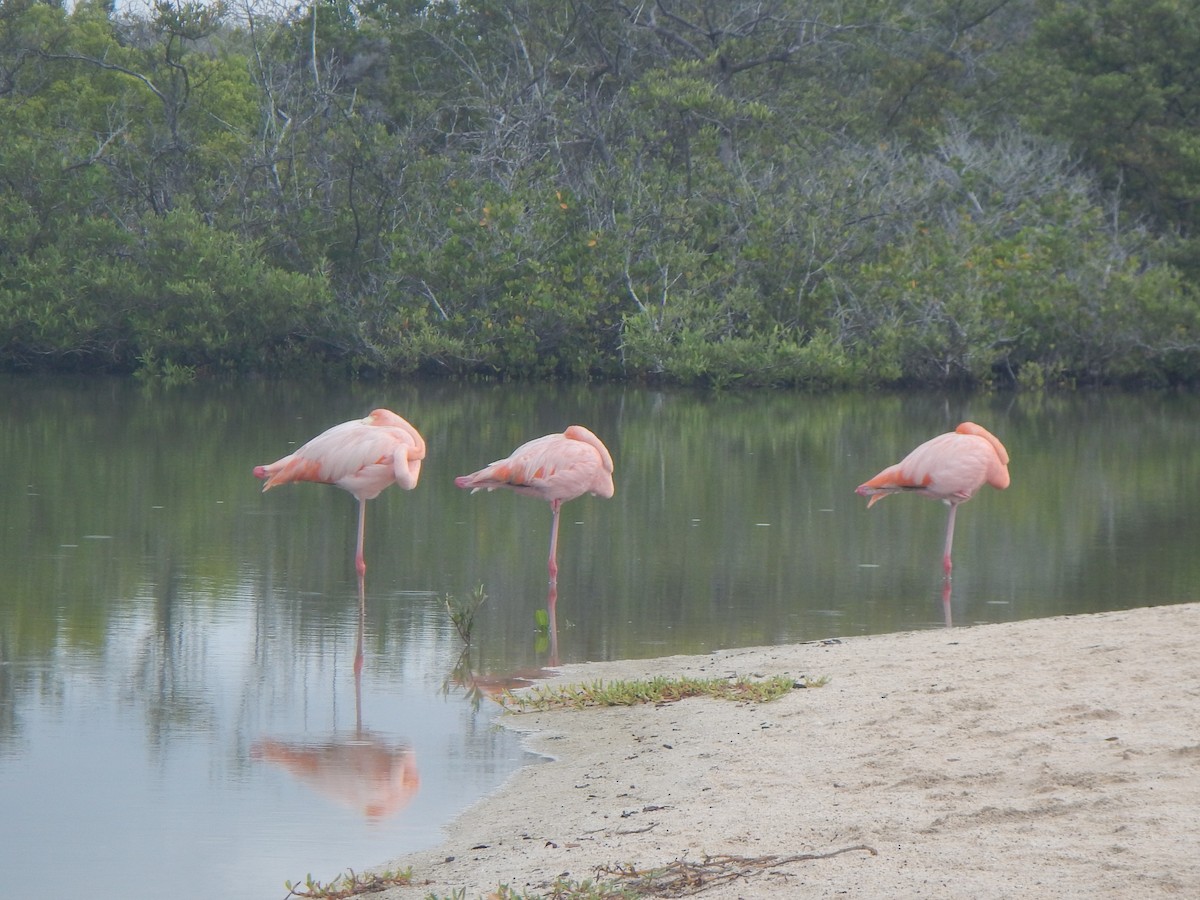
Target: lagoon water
<point>193,704</point>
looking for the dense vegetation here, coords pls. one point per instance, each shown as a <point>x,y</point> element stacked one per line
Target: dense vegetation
<point>830,192</point>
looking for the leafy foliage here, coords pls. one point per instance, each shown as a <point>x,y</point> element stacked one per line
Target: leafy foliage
<point>769,193</point>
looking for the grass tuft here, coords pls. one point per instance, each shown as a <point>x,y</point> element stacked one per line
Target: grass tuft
<point>657,690</point>
<point>350,884</point>
<point>462,612</point>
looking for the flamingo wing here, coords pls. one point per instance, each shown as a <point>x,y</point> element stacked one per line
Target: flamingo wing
<point>363,457</point>
<point>997,461</point>
<point>950,467</point>
<point>555,467</point>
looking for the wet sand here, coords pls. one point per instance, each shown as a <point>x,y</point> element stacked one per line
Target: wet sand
<point>1047,758</point>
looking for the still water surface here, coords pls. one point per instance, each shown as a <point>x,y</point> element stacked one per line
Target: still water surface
<point>181,712</point>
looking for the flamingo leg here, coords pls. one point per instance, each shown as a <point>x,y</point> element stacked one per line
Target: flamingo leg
<point>946,564</point>
<point>555,506</point>
<point>359,563</point>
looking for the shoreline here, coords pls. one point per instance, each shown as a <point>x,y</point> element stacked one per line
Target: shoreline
<point>1048,757</point>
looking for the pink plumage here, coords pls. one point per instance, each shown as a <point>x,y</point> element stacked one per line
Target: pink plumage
<point>363,457</point>
<point>555,468</point>
<point>362,773</point>
<point>950,467</point>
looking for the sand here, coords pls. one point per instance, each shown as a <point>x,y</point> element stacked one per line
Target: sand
<point>1048,758</point>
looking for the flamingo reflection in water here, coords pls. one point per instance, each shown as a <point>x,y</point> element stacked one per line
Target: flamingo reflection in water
<point>361,771</point>
<point>480,685</point>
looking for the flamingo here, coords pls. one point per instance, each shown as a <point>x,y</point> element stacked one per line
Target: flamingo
<point>362,456</point>
<point>556,468</point>
<point>950,467</point>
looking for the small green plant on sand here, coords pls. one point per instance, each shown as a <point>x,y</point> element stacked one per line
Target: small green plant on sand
<point>653,690</point>
<point>350,884</point>
<point>462,612</point>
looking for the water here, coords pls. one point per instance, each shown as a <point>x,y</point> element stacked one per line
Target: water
<point>179,705</point>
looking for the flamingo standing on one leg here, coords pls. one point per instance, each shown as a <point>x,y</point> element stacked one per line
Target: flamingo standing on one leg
<point>556,468</point>
<point>363,457</point>
<point>950,467</point>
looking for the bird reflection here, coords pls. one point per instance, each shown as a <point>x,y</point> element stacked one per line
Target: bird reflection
<point>552,622</point>
<point>478,685</point>
<point>946,591</point>
<point>360,771</point>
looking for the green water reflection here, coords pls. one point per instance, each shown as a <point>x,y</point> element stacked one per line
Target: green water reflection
<point>734,520</point>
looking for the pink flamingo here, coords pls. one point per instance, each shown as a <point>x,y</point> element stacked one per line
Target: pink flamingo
<point>556,468</point>
<point>363,457</point>
<point>950,467</point>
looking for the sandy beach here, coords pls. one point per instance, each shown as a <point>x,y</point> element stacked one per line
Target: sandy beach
<point>1046,758</point>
